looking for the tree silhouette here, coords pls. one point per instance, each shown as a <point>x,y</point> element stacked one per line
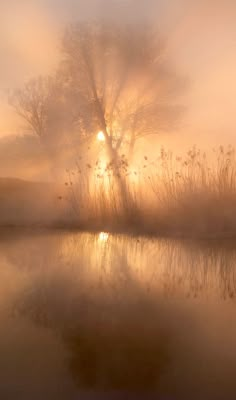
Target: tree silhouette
<point>124,76</point>
<point>47,106</point>
<point>31,102</point>
<point>114,78</point>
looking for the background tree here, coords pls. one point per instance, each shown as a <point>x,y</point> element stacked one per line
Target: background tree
<point>31,104</point>
<point>48,106</point>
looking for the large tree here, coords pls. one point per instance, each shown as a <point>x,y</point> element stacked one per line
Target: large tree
<point>114,78</point>
<point>124,76</point>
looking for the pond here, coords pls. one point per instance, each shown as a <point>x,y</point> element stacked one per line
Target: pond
<point>98,316</point>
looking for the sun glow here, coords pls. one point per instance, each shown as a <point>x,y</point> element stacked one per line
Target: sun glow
<point>103,236</point>
<point>101,136</point>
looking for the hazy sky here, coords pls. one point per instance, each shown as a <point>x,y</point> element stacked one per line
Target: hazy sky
<point>202,40</point>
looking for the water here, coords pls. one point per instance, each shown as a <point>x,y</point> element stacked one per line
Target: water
<point>98,316</point>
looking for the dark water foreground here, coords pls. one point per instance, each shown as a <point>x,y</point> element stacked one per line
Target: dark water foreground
<point>110,317</point>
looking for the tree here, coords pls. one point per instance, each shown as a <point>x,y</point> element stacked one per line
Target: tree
<point>30,103</point>
<point>47,106</point>
<point>113,78</point>
<point>122,73</point>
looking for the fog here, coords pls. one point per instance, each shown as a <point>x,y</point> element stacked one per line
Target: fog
<point>200,42</point>
<point>201,39</point>
<point>201,35</point>
<point>117,198</point>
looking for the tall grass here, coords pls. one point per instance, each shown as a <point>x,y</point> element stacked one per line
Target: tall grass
<point>190,195</point>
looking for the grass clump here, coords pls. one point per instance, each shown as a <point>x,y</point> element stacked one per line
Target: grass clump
<point>190,195</point>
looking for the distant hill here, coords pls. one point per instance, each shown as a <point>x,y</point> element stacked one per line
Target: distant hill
<point>25,157</point>
<point>32,203</point>
<point>20,155</point>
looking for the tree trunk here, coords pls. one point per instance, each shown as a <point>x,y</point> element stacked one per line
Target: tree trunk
<point>123,190</point>
<point>126,198</point>
<point>131,149</point>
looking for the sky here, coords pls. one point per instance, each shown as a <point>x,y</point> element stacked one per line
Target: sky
<point>201,39</point>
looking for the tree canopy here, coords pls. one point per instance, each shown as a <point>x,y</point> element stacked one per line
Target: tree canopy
<point>113,78</point>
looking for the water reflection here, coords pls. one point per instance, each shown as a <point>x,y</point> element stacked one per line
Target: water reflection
<point>137,314</point>
<point>103,236</point>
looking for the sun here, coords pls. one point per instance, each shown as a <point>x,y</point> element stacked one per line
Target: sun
<point>101,136</point>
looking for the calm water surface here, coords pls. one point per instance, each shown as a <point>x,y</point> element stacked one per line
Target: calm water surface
<point>101,316</point>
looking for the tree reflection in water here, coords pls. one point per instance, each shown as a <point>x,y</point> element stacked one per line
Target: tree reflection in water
<point>115,303</point>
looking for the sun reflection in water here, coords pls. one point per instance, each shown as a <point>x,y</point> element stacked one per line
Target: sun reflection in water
<point>103,237</point>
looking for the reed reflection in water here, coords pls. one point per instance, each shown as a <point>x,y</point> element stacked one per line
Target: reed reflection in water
<point>132,314</point>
